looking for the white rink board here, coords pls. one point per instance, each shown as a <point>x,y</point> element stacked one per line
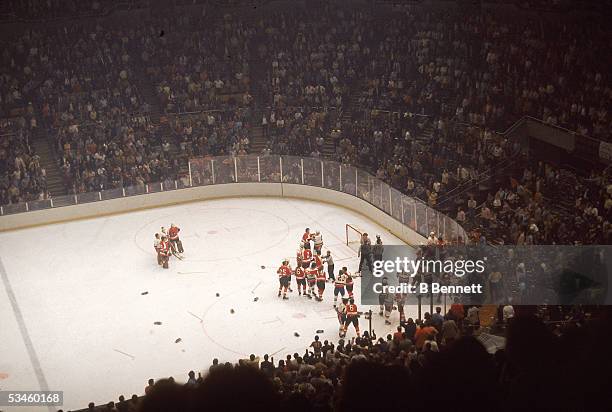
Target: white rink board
<point>78,287</point>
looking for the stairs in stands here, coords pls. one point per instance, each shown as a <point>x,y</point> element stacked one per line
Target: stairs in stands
<point>42,146</point>
<point>425,136</point>
<point>258,74</point>
<point>329,147</point>
<point>147,92</point>
<point>258,141</point>
<point>448,100</point>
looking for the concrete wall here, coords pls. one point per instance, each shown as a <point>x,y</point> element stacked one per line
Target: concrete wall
<point>151,200</point>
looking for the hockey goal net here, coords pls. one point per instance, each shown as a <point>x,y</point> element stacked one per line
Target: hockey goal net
<point>353,237</point>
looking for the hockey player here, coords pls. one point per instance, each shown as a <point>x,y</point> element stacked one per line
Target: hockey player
<point>321,278</point>
<point>352,316</point>
<point>318,243</point>
<point>382,296</point>
<point>156,246</point>
<point>300,278</point>
<point>339,288</point>
<point>348,281</point>
<point>311,277</point>
<point>306,256</point>
<point>365,253</point>
<point>306,237</point>
<point>400,298</point>
<point>164,251</point>
<point>330,265</point>
<point>378,249</point>
<point>388,304</point>
<point>175,242</point>
<point>318,261</point>
<point>341,312</point>
<point>284,274</point>
<point>403,278</point>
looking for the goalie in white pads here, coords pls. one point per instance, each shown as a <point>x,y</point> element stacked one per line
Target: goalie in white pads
<point>318,243</point>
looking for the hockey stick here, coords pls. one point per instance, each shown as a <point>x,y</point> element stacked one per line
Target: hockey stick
<point>256,286</point>
<point>177,256</point>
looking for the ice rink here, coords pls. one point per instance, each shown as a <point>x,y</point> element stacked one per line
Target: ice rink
<point>73,316</point>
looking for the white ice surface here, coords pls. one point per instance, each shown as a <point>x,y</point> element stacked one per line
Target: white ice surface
<point>78,286</point>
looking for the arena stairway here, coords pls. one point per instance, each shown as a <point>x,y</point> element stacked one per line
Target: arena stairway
<point>347,111</point>
<point>42,146</point>
<point>258,70</point>
<point>258,141</point>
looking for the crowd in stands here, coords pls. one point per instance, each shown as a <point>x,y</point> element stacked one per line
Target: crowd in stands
<point>194,65</point>
<point>21,176</point>
<point>414,100</point>
<point>435,364</point>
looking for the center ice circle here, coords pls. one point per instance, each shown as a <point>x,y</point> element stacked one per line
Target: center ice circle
<point>207,238</point>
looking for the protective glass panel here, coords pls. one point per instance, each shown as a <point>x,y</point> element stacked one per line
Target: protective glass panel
<point>154,187</point>
<point>385,202</point>
<point>432,221</point>
<point>396,205</point>
<point>270,168</point>
<point>170,184</point>
<point>135,190</point>
<point>292,169</point>
<point>112,193</point>
<point>247,169</point>
<point>421,221</point>
<point>223,168</point>
<point>348,179</point>
<point>66,200</point>
<point>408,209</point>
<point>312,172</point>
<point>88,197</point>
<point>39,204</point>
<point>331,175</point>
<point>364,185</point>
<point>14,208</point>
<point>201,171</point>
<point>183,181</point>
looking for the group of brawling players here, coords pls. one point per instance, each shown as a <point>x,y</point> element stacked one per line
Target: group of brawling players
<point>166,244</point>
<point>309,272</point>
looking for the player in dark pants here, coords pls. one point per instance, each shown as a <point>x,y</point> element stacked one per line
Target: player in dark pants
<point>382,296</point>
<point>365,253</point>
<point>378,249</point>
<point>330,266</point>
<point>352,316</point>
